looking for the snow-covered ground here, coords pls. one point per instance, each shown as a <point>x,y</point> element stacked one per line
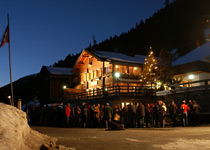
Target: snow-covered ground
<point>184,144</point>
<point>16,134</point>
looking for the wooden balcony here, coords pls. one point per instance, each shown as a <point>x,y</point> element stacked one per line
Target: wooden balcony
<point>112,92</point>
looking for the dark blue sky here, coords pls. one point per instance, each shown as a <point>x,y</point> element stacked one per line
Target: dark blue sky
<point>45,31</point>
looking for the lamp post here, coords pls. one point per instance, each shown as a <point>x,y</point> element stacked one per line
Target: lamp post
<point>9,97</point>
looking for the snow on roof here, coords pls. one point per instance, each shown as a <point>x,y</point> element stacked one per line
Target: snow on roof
<point>140,59</point>
<point>59,70</point>
<point>201,53</point>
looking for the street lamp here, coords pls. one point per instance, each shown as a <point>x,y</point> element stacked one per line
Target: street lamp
<point>64,87</point>
<point>9,97</point>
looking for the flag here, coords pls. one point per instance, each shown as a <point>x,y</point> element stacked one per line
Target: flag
<point>5,38</point>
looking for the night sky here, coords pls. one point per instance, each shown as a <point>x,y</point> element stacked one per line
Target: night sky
<point>45,31</point>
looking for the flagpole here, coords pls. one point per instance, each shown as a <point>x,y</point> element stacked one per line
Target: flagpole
<point>10,66</point>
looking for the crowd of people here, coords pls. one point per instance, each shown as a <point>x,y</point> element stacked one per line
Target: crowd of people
<point>114,117</point>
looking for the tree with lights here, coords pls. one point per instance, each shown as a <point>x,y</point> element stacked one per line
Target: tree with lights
<point>150,71</point>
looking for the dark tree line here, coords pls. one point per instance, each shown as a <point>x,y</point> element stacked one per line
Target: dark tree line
<point>179,25</point>
<point>68,62</point>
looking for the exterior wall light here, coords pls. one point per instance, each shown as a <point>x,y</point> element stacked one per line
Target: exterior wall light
<point>64,87</point>
<point>117,74</point>
<point>191,76</point>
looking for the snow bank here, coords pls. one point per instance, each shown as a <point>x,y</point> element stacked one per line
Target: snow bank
<point>184,144</point>
<point>16,134</point>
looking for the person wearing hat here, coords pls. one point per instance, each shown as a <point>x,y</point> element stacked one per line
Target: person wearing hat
<point>184,109</point>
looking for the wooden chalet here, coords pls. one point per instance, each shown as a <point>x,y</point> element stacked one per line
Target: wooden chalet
<point>96,70</point>
<point>107,74</point>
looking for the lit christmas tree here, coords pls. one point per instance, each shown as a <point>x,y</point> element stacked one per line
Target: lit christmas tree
<point>150,71</point>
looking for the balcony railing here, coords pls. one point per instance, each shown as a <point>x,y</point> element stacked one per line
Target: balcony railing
<point>200,85</point>
<point>120,91</point>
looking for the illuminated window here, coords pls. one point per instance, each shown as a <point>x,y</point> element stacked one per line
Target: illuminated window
<point>91,75</point>
<point>130,70</point>
<point>98,73</point>
<point>88,76</point>
<point>124,69</point>
<point>116,68</point>
<point>83,77</point>
<point>90,60</point>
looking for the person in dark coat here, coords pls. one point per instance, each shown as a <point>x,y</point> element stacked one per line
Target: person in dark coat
<point>162,113</point>
<point>173,110</point>
<point>155,110</point>
<point>108,111</point>
<point>125,116</point>
<point>84,115</point>
<point>147,115</point>
<point>141,114</point>
<point>61,115</point>
<point>133,115</point>
<point>194,113</point>
<point>190,105</point>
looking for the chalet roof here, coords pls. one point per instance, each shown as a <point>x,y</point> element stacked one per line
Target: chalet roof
<point>59,70</point>
<point>109,56</point>
<point>113,56</point>
<point>201,53</point>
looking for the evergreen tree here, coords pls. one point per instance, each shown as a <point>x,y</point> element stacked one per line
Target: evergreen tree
<point>94,41</point>
<point>150,72</point>
<point>167,2</point>
<point>165,66</point>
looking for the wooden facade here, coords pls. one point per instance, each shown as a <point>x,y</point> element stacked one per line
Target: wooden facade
<point>95,75</point>
<point>97,72</point>
<point>52,82</point>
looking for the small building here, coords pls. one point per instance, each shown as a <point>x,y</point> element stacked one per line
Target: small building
<point>53,81</point>
<point>195,65</point>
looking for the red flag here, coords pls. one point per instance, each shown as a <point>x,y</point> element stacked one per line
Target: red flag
<point>5,38</point>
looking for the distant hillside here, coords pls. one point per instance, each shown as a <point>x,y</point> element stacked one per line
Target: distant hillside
<point>26,89</point>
